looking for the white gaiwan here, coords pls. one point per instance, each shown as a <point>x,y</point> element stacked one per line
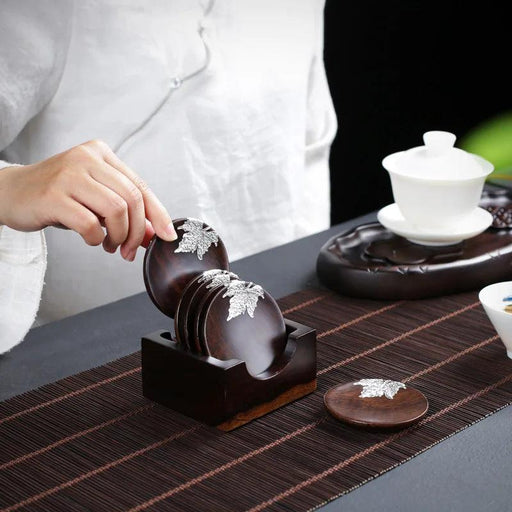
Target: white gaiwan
<point>437,188</point>
<point>494,298</point>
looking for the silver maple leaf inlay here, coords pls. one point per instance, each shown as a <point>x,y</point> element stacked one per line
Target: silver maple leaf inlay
<point>197,238</point>
<point>243,298</point>
<point>379,387</point>
<point>216,277</point>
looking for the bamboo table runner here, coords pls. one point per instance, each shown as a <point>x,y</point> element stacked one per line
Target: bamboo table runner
<point>93,442</point>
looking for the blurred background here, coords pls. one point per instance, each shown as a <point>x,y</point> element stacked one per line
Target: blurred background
<point>399,68</point>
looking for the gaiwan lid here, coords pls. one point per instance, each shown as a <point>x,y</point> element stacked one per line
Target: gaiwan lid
<point>438,159</point>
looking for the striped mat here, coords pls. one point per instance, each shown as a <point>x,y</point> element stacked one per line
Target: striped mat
<point>93,442</point>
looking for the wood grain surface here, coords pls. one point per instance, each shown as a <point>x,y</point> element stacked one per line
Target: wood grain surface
<point>258,340</point>
<point>405,408</point>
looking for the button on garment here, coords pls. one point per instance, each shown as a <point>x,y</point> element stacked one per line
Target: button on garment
<point>243,144</point>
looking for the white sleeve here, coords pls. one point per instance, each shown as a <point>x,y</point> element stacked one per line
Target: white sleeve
<point>34,37</point>
<point>320,132</point>
<point>22,268</point>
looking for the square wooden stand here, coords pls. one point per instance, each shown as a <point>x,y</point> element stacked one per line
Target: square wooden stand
<point>223,393</point>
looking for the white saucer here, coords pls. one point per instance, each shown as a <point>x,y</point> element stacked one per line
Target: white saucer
<point>477,222</point>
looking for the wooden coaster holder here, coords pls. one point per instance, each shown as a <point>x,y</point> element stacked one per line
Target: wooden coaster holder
<point>223,393</point>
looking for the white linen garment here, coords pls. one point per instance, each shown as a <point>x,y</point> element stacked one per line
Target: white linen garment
<point>223,109</point>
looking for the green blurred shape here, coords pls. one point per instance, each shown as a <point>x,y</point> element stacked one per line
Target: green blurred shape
<point>492,140</point>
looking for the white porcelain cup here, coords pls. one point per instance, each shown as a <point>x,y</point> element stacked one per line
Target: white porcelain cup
<point>436,186</point>
<point>492,299</point>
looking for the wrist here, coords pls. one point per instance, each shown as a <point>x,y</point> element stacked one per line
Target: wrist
<point>5,174</point>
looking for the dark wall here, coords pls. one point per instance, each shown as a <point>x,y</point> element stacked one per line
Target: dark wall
<point>398,68</point>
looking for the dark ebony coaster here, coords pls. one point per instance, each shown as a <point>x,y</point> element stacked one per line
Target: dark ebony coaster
<point>243,322</point>
<point>377,410</point>
<point>197,318</point>
<point>169,266</point>
<point>181,312</point>
<point>190,298</point>
<point>192,312</point>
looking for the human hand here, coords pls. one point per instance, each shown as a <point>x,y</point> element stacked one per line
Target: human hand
<point>83,189</point>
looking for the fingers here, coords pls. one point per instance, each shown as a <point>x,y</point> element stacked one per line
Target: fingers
<point>109,207</point>
<point>77,217</point>
<point>125,189</point>
<point>154,210</point>
<point>84,188</point>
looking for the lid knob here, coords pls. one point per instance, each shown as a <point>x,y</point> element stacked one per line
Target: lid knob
<point>438,142</point>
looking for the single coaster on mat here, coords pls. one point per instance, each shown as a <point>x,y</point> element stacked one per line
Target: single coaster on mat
<point>376,403</point>
<point>243,321</point>
<point>169,266</point>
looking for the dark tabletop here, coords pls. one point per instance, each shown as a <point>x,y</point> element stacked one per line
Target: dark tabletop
<point>471,471</point>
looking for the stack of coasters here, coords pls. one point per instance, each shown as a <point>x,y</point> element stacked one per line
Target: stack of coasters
<point>215,312</point>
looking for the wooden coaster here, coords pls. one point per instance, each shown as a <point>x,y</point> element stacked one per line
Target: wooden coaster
<point>376,403</point>
<point>190,298</point>
<point>242,321</point>
<point>181,312</point>
<point>169,266</point>
<point>196,319</point>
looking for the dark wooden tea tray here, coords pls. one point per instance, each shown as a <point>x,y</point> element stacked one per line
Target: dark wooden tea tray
<point>372,262</point>
<point>223,393</point>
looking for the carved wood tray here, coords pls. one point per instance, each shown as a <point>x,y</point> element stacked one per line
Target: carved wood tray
<point>371,262</point>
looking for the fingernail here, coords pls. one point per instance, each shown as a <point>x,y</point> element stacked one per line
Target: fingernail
<point>171,232</point>
<point>129,255</point>
<point>109,248</point>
